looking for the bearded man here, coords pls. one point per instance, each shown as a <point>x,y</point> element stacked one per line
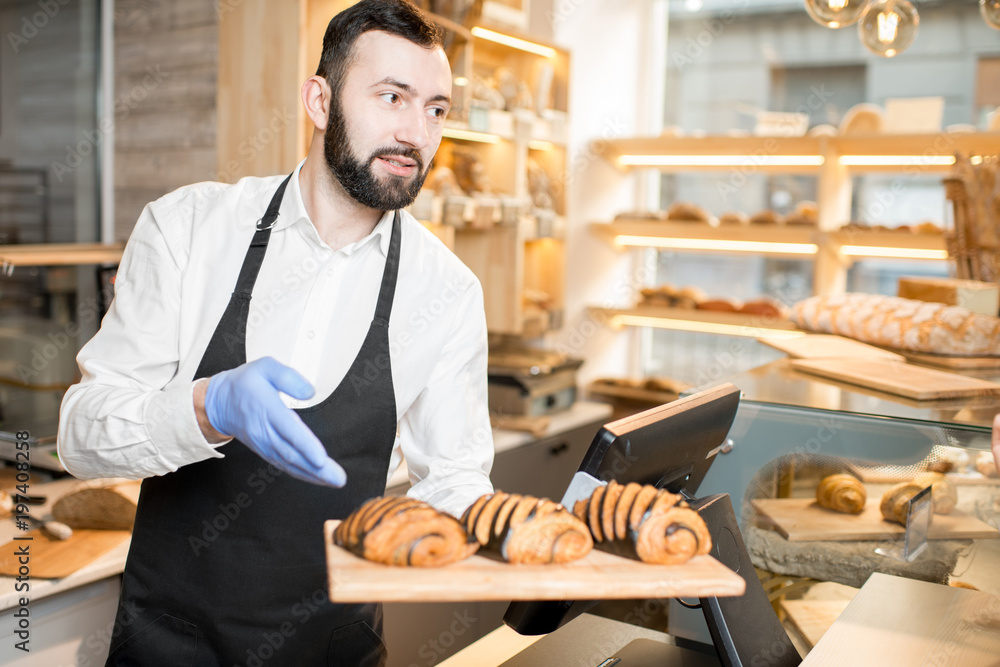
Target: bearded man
<point>254,420</point>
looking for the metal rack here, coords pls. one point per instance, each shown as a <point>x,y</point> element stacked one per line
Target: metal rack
<point>24,205</point>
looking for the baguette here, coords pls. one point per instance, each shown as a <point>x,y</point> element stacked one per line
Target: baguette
<point>903,324</point>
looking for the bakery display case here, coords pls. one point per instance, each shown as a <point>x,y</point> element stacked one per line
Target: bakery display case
<point>792,431</point>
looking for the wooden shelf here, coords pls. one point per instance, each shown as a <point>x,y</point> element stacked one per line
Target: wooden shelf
<point>522,125</point>
<point>701,230</point>
<point>754,151</point>
<point>771,234</point>
<point>754,326</point>
<point>59,254</point>
<point>902,240</point>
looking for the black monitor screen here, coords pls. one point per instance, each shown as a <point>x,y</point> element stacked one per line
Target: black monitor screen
<point>671,446</point>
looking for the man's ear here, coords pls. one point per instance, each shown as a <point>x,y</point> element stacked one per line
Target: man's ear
<point>316,97</point>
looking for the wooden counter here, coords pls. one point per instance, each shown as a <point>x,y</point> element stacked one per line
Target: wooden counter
<point>108,565</point>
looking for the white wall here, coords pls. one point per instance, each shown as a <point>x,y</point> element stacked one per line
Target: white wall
<point>610,97</point>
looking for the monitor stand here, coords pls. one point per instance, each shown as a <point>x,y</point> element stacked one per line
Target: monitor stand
<point>741,627</point>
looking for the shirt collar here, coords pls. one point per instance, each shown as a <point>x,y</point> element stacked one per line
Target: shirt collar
<point>293,212</point>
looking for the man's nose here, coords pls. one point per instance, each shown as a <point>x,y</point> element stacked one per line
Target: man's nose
<point>413,129</point>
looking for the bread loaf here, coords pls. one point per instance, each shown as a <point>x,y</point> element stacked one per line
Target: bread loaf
<point>720,305</point>
<point>764,306</point>
<point>944,495</point>
<point>904,324</point>
<point>734,218</point>
<point>986,465</point>
<point>687,212</point>
<point>766,217</point>
<point>100,504</point>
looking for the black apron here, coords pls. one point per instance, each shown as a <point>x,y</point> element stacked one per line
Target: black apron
<point>227,562</point>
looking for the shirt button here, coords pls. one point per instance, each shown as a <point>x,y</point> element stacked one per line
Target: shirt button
<point>310,335</point>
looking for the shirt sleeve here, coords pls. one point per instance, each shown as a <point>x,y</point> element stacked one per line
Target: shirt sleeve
<point>121,419</point>
<point>445,436</point>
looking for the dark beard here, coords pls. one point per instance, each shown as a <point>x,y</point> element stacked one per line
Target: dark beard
<point>357,177</point>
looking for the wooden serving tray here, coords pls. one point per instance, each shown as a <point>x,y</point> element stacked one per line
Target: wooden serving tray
<point>899,378</point>
<point>803,520</point>
<point>596,576</point>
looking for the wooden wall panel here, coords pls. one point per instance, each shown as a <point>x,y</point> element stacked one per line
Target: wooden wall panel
<point>258,92</point>
<point>166,73</point>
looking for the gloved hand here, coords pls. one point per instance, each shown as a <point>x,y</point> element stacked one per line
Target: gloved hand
<point>244,403</point>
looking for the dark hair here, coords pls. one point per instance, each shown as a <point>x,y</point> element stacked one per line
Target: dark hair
<point>396,17</point>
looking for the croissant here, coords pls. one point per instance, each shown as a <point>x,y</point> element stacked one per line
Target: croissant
<point>397,530</point>
<point>895,501</point>
<point>641,521</point>
<point>944,495</point>
<point>526,529</point>
<point>842,493</point>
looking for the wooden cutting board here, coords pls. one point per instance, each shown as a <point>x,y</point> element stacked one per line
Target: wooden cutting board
<point>54,559</point>
<point>803,520</point>
<point>956,363</point>
<point>900,621</point>
<point>899,378</point>
<point>597,576</point>
<point>812,618</point>
<point>826,346</point>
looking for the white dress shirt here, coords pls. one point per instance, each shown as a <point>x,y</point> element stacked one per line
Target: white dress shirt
<point>132,414</point>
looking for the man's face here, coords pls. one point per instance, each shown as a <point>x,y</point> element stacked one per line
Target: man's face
<point>386,124</point>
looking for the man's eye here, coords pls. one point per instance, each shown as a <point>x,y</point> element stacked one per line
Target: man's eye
<point>391,98</point>
<point>438,112</point>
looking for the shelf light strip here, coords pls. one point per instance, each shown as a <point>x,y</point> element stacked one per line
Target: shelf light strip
<point>469,135</point>
<point>514,42</point>
<point>901,253</point>
<point>716,244</point>
<point>721,160</point>
<point>788,160</point>
<point>897,160</point>
<point>703,327</point>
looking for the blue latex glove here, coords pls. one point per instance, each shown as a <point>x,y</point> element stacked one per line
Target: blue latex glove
<point>244,403</point>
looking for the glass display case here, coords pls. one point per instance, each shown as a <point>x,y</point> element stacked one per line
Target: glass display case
<point>793,429</point>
